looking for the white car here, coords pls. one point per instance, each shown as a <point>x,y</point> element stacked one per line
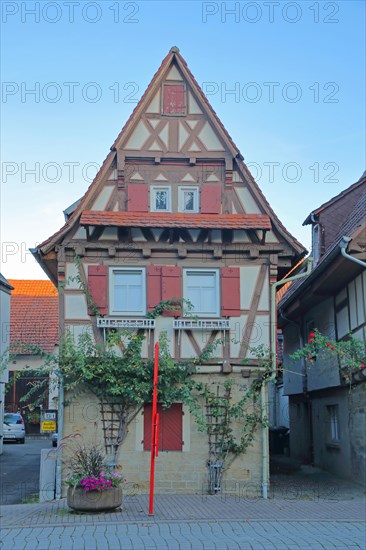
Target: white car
<point>14,429</point>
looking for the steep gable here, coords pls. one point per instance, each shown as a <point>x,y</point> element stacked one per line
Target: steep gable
<point>173,155</point>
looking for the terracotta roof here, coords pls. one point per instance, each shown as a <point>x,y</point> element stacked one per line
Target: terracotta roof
<point>157,219</point>
<point>28,287</point>
<point>33,315</point>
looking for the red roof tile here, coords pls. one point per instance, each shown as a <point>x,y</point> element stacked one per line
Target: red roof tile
<point>33,315</point>
<point>28,287</point>
<point>157,219</point>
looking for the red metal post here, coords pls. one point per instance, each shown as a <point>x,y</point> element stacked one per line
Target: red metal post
<point>154,430</point>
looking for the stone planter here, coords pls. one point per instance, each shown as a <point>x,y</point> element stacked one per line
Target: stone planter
<point>94,501</point>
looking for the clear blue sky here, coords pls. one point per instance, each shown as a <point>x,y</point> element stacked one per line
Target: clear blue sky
<point>297,69</point>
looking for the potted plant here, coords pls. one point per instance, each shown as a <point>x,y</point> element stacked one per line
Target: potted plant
<point>92,485</point>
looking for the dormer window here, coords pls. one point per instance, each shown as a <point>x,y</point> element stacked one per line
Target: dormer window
<point>188,199</point>
<point>160,199</point>
<point>174,99</point>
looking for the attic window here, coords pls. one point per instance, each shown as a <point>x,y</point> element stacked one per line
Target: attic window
<point>174,99</point>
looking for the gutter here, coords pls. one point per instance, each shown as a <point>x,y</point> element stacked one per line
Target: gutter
<point>264,404</point>
<point>343,246</point>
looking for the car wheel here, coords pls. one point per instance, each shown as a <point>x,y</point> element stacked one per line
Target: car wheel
<point>54,443</point>
<point>21,441</point>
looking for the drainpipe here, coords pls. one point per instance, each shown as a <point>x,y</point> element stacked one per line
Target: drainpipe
<point>60,426</point>
<point>264,405</point>
<point>343,246</point>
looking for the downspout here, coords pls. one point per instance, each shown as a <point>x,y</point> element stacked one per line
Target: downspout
<point>60,425</point>
<point>264,404</point>
<point>343,246</point>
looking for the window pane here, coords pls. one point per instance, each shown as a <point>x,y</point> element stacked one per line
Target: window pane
<point>188,200</point>
<point>128,291</point>
<point>161,200</point>
<point>201,292</point>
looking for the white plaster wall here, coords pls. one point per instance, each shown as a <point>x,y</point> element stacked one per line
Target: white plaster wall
<point>75,306</point>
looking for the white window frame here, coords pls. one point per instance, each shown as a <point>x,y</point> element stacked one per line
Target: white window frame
<point>216,272</point>
<point>181,191</point>
<point>126,313</point>
<point>153,190</point>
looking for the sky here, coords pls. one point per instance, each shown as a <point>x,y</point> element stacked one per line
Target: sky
<point>287,80</point>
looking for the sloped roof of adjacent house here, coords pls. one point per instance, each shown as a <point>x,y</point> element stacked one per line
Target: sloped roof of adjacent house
<point>33,315</point>
<point>81,208</point>
<point>342,197</point>
<point>354,226</point>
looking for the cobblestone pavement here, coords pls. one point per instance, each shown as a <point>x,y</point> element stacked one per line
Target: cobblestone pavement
<point>191,522</point>
<point>209,535</point>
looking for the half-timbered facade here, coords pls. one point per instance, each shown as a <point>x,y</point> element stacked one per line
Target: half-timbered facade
<point>174,213</point>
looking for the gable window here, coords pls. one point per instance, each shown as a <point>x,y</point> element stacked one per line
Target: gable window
<point>333,419</point>
<point>174,99</point>
<point>188,199</point>
<point>201,288</point>
<point>170,427</point>
<point>160,199</point>
<point>127,291</point>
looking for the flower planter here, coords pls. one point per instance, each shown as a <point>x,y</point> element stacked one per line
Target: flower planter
<point>94,501</point>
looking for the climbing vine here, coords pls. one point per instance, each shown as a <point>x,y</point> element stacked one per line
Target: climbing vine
<point>116,373</point>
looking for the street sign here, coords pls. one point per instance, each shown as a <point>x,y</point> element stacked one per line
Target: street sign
<point>48,421</point>
<point>48,426</point>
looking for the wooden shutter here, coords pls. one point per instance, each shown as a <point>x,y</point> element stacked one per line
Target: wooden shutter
<point>170,428</point>
<point>174,99</point>
<point>171,285</point>
<point>137,197</point>
<point>230,291</point>
<point>98,288</point>
<point>153,286</point>
<point>211,199</point>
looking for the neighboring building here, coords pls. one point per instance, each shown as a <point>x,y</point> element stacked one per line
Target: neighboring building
<point>327,421</point>
<point>5,290</point>
<point>33,324</point>
<point>173,212</point>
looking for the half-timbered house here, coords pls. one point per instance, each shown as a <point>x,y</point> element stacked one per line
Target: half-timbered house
<point>174,213</point>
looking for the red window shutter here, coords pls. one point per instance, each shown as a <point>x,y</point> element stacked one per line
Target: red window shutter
<point>230,291</point>
<point>98,288</point>
<point>171,286</point>
<point>211,199</point>
<point>153,286</point>
<point>138,198</point>
<point>170,428</point>
<point>174,99</point>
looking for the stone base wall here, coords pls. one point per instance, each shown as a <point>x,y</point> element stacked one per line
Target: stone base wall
<point>183,471</point>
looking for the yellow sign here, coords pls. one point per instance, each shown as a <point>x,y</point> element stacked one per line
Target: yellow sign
<point>48,426</point>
